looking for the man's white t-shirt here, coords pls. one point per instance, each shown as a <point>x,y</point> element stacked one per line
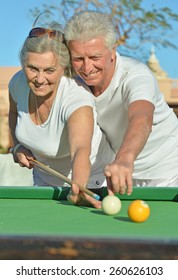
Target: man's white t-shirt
<point>134,81</point>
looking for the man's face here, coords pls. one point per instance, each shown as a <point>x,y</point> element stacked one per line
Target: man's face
<point>93,62</point>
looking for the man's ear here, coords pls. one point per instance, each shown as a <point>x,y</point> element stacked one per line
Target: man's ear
<point>113,51</point>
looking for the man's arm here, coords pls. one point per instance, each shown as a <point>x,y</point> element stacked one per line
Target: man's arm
<point>119,173</point>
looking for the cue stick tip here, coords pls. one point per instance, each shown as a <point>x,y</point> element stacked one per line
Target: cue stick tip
<point>96,196</point>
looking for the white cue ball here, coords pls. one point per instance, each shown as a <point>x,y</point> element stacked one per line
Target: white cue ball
<point>111,205</point>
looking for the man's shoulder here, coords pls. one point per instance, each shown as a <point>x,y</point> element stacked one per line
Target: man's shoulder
<point>134,66</point>
<point>131,61</point>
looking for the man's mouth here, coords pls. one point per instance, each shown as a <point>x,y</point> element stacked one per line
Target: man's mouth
<point>93,74</point>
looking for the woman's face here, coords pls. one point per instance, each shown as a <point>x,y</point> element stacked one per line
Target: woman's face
<point>43,73</point>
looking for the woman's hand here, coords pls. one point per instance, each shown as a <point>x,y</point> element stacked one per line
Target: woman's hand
<point>22,156</point>
<point>79,198</point>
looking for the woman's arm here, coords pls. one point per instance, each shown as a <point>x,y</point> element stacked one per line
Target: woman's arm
<point>20,153</point>
<point>12,118</point>
<point>80,133</point>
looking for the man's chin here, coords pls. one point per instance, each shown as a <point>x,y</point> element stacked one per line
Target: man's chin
<point>89,81</point>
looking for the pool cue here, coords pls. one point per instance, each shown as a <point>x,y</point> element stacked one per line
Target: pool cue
<point>59,175</point>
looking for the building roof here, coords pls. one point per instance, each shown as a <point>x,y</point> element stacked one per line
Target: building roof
<point>154,65</point>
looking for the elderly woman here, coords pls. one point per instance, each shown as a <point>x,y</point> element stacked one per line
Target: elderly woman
<point>52,117</point>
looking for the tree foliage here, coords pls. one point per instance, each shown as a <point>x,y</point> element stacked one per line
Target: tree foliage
<point>136,26</point>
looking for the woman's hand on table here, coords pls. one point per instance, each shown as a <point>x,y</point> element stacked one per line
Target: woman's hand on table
<point>80,198</point>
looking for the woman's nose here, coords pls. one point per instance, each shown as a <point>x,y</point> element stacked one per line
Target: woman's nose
<point>40,77</point>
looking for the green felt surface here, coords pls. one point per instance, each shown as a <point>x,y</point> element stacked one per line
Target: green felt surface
<point>34,192</point>
<point>46,216</point>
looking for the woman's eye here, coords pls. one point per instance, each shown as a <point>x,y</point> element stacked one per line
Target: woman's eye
<point>32,69</point>
<point>49,71</point>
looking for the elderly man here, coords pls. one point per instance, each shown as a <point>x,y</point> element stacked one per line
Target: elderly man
<point>140,126</point>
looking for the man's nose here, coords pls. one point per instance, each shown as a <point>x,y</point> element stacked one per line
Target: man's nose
<point>87,66</point>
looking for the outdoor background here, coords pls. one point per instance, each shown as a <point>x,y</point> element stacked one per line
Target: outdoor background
<point>16,20</point>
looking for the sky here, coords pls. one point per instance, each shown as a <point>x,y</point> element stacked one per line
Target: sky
<point>16,22</point>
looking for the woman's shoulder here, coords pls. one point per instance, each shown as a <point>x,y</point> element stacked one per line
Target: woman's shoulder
<point>74,95</point>
<point>76,83</point>
<point>19,78</point>
<point>18,85</point>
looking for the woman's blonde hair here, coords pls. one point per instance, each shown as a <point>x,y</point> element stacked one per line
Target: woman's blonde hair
<point>45,43</point>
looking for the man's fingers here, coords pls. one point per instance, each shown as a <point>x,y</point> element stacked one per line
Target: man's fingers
<point>110,192</point>
<point>107,171</point>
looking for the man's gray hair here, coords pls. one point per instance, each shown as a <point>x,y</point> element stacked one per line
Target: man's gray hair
<point>87,25</point>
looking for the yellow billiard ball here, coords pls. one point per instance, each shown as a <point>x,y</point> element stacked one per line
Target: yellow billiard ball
<point>138,211</point>
<point>111,205</point>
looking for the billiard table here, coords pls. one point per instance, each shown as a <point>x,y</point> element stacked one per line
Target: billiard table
<point>39,223</point>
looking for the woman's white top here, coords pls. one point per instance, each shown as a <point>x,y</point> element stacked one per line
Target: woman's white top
<point>49,141</point>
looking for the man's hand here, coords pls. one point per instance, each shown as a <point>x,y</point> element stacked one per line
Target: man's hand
<point>119,177</point>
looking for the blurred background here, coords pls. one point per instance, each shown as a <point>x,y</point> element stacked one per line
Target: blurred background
<point>146,30</point>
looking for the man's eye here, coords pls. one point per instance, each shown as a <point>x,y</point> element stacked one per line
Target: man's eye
<point>76,58</point>
<point>95,58</point>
